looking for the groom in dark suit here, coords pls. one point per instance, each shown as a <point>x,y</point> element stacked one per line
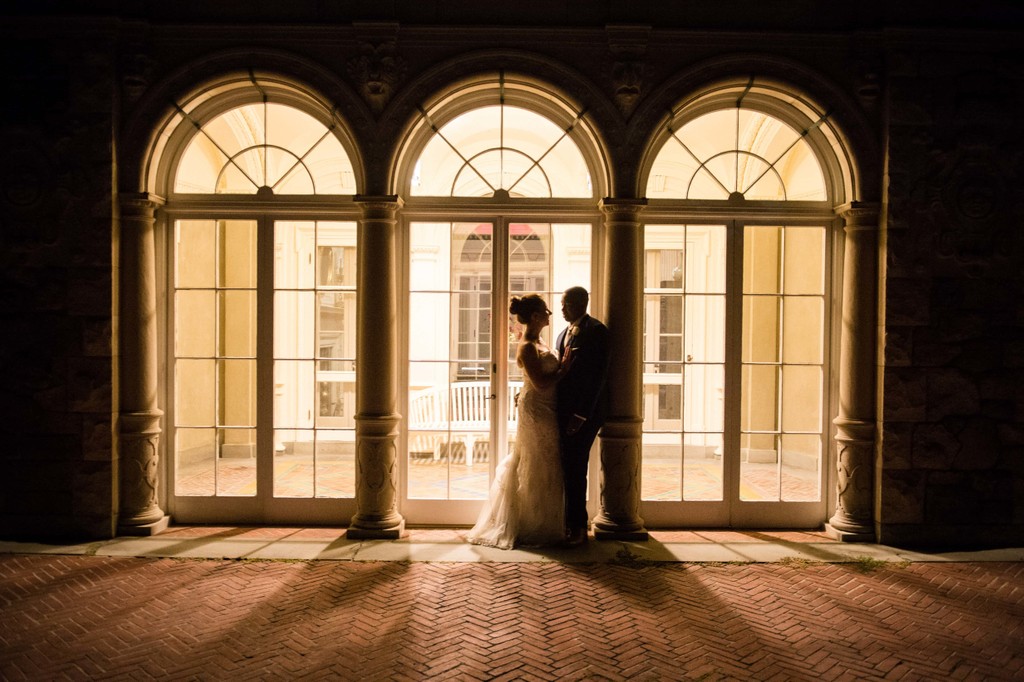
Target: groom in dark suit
<point>583,349</point>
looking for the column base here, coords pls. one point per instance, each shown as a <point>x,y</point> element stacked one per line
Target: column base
<point>387,533</point>
<point>622,535</point>
<point>146,529</point>
<point>849,536</point>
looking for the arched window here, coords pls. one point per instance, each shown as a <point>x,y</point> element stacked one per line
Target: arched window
<point>737,274</point>
<point>265,145</point>
<point>736,153</point>
<point>500,178</point>
<point>263,303</point>
<point>501,148</point>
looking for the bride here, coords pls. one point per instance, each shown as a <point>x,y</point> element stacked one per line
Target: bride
<point>526,505</point>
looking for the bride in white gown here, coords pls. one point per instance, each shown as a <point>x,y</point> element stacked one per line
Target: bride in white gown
<point>526,502</point>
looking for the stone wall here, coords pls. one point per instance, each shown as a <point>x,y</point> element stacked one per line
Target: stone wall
<point>951,455</point>
<point>56,296</point>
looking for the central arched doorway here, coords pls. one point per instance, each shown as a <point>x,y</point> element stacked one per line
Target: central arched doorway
<point>503,181</point>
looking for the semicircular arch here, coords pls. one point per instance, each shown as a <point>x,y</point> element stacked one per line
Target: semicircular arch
<point>447,99</point>
<point>832,126</point>
<point>171,113</point>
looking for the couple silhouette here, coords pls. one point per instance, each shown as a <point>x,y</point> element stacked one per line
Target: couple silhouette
<point>539,494</point>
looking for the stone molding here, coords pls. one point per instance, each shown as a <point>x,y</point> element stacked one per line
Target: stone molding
<point>619,516</point>
<point>379,68</point>
<point>376,480</point>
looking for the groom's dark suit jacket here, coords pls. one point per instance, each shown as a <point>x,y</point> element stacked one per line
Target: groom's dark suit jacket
<point>581,390</point>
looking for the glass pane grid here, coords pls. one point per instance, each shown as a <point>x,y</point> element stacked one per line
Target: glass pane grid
<point>450,309</point>
<point>781,365</point>
<point>214,357</point>
<point>315,463</point>
<point>501,147</point>
<point>266,144</point>
<point>736,150</point>
<point>783,399</point>
<point>314,359</point>
<point>683,369</point>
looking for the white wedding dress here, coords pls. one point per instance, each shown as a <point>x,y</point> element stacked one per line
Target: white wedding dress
<point>526,503</point>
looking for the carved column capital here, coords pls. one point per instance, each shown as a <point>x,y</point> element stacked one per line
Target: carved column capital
<point>139,205</point>
<point>620,210</point>
<point>859,215</point>
<point>379,206</point>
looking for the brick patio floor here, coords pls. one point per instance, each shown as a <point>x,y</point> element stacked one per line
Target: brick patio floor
<point>82,616</point>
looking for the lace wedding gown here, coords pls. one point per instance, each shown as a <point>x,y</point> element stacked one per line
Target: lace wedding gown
<point>526,506</point>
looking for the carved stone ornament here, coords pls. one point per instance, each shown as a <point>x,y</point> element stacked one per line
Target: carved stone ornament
<point>140,436</point>
<point>627,79</point>
<point>972,199</point>
<point>855,440</point>
<point>137,67</point>
<point>628,47</point>
<point>376,471</point>
<point>376,72</point>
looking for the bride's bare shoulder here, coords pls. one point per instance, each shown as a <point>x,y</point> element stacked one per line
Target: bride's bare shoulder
<point>527,349</point>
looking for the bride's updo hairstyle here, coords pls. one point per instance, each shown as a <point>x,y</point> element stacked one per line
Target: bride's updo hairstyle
<point>523,307</point>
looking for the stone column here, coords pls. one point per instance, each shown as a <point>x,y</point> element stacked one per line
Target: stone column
<point>376,374</point>
<point>619,515</point>
<point>855,425</point>
<point>139,419</point>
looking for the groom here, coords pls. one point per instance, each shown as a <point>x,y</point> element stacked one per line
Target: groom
<point>583,348</point>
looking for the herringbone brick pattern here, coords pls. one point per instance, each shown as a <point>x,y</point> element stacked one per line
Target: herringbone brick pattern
<point>85,617</point>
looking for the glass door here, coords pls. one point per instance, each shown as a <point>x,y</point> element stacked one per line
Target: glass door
<point>263,371</point>
<point>684,471</point>
<point>462,380</point>
<point>735,348</point>
<point>781,416</point>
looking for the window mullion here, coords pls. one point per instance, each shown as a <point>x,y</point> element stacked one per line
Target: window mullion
<point>265,358</point>
<point>733,361</point>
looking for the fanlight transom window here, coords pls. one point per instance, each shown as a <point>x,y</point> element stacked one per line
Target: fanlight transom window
<point>265,145</point>
<point>733,153</point>
<point>501,148</point>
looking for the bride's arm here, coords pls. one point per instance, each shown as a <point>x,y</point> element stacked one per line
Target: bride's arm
<point>529,358</point>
